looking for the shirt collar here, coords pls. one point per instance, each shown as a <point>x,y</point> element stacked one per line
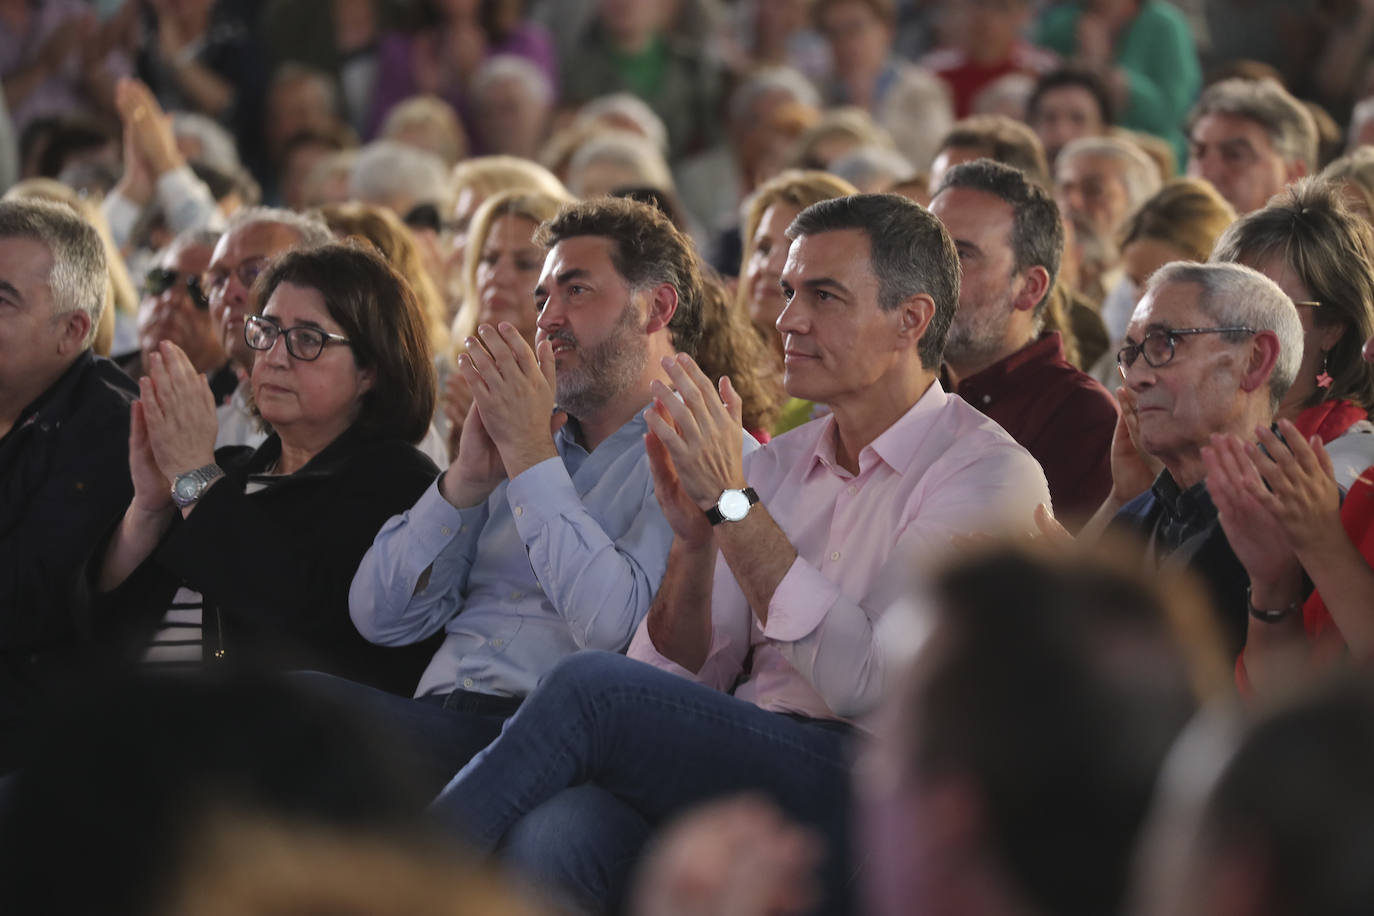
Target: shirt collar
<point>895,446</point>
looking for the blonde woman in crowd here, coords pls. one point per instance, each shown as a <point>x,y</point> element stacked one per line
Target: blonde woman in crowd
<point>499,275</point>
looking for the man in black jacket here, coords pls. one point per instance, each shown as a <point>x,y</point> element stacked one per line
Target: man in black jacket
<point>64,470</point>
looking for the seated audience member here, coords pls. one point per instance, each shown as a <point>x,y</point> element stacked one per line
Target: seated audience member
<point>1283,823</point>
<point>835,132</point>
<point>991,137</point>
<point>1009,237</point>
<point>789,556</point>
<point>1249,139</point>
<point>301,154</point>
<point>1068,104</point>
<point>1353,175</point>
<point>64,419</point>
<point>1211,349</point>
<point>395,175</point>
<point>764,219</point>
<point>254,238</point>
<point>1181,222</point>
<point>616,159</point>
<point>538,542</point>
<point>248,553</point>
<point>428,124</point>
<point>1361,130</point>
<point>982,44</point>
<point>630,47</point>
<point>471,183</point>
<point>513,103</point>
<point>1142,51</point>
<point>909,101</point>
<point>1099,182</point>
<point>499,278</point>
<point>1322,256</point>
<point>174,308</point>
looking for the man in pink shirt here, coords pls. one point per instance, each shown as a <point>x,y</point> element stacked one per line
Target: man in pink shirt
<point>760,649</point>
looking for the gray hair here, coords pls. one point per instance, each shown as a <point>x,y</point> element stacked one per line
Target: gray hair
<point>217,148</point>
<point>311,228</point>
<point>78,278</point>
<point>385,170</point>
<point>501,67</point>
<point>918,112</point>
<point>909,251</point>
<point>630,107</point>
<point>1289,124</point>
<point>1234,295</point>
<point>771,79</point>
<point>872,168</point>
<point>192,238</point>
<point>630,151</point>
<point>1139,173</point>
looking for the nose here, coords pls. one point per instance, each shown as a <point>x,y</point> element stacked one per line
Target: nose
<point>552,316</point>
<point>791,319</point>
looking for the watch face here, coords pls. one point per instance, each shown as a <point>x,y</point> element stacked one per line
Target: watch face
<point>734,505</point>
<point>187,487</point>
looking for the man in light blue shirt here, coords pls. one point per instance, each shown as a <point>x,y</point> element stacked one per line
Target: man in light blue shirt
<point>543,536</point>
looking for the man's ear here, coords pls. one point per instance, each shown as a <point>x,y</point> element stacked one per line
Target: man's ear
<point>1035,286</point>
<point>662,307</point>
<point>74,326</point>
<point>1264,354</point>
<point>914,315</point>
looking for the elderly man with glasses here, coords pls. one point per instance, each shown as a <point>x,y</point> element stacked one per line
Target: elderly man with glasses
<point>1211,349</point>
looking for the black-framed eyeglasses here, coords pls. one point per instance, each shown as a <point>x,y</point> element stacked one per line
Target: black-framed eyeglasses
<point>302,341</point>
<point>214,281</point>
<point>160,279</point>
<point>1158,345</point>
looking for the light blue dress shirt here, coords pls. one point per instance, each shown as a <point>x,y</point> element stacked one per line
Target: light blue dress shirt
<point>566,556</point>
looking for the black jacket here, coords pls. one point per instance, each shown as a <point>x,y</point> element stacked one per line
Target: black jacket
<point>64,481</point>
<point>275,565</point>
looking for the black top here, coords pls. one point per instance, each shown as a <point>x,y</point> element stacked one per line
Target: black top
<point>64,480</point>
<point>274,557</point>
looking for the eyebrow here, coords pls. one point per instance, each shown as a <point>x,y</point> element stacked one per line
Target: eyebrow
<point>1237,143</point>
<point>824,282</point>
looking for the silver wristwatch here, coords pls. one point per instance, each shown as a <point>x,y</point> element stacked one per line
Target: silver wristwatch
<point>191,486</point>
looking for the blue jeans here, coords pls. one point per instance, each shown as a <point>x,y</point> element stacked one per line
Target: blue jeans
<point>438,734</point>
<point>659,744</point>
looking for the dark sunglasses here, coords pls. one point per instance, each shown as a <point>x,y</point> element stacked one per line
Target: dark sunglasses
<point>160,279</point>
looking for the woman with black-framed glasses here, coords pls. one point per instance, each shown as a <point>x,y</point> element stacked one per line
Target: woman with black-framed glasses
<point>247,554</point>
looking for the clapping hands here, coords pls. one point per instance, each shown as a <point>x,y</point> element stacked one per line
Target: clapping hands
<point>172,428</point>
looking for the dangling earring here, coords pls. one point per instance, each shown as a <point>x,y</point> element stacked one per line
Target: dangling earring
<point>1323,377</point>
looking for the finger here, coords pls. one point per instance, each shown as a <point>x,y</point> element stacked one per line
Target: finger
<point>560,420</point>
<point>1303,456</point>
<point>733,402</point>
<point>709,395</point>
<point>672,406</point>
<point>152,410</point>
<point>498,347</point>
<point>688,392</point>
<point>665,430</point>
<point>1049,526</point>
<point>481,359</point>
<point>524,357</point>
<point>1323,458</point>
<point>547,365</point>
<point>467,367</point>
<point>661,466</point>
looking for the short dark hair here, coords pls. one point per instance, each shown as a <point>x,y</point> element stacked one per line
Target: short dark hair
<point>1037,233</point>
<point>1004,140</point>
<point>909,251</point>
<point>384,322</point>
<point>1056,687</point>
<point>646,249</point>
<point>1071,77</point>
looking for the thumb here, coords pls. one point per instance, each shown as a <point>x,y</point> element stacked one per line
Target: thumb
<point>559,420</point>
<point>733,402</point>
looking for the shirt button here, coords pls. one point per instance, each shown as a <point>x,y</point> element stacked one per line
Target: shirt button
<point>850,490</point>
<point>519,510</point>
<point>834,555</point>
<point>467,682</point>
<point>987,399</point>
<point>446,531</point>
<point>497,643</point>
<point>515,596</point>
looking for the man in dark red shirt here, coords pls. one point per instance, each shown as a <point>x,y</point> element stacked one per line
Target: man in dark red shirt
<point>1009,237</point>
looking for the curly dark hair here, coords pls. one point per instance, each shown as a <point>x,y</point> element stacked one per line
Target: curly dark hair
<point>731,346</point>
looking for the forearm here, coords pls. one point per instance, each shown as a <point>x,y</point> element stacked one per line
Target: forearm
<point>1101,519</point>
<point>759,555</point>
<point>679,621</point>
<point>135,539</point>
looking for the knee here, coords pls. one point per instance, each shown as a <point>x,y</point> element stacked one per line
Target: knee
<point>587,668</point>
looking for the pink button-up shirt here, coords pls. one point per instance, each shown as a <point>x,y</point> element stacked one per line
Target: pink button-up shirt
<point>943,469</point>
